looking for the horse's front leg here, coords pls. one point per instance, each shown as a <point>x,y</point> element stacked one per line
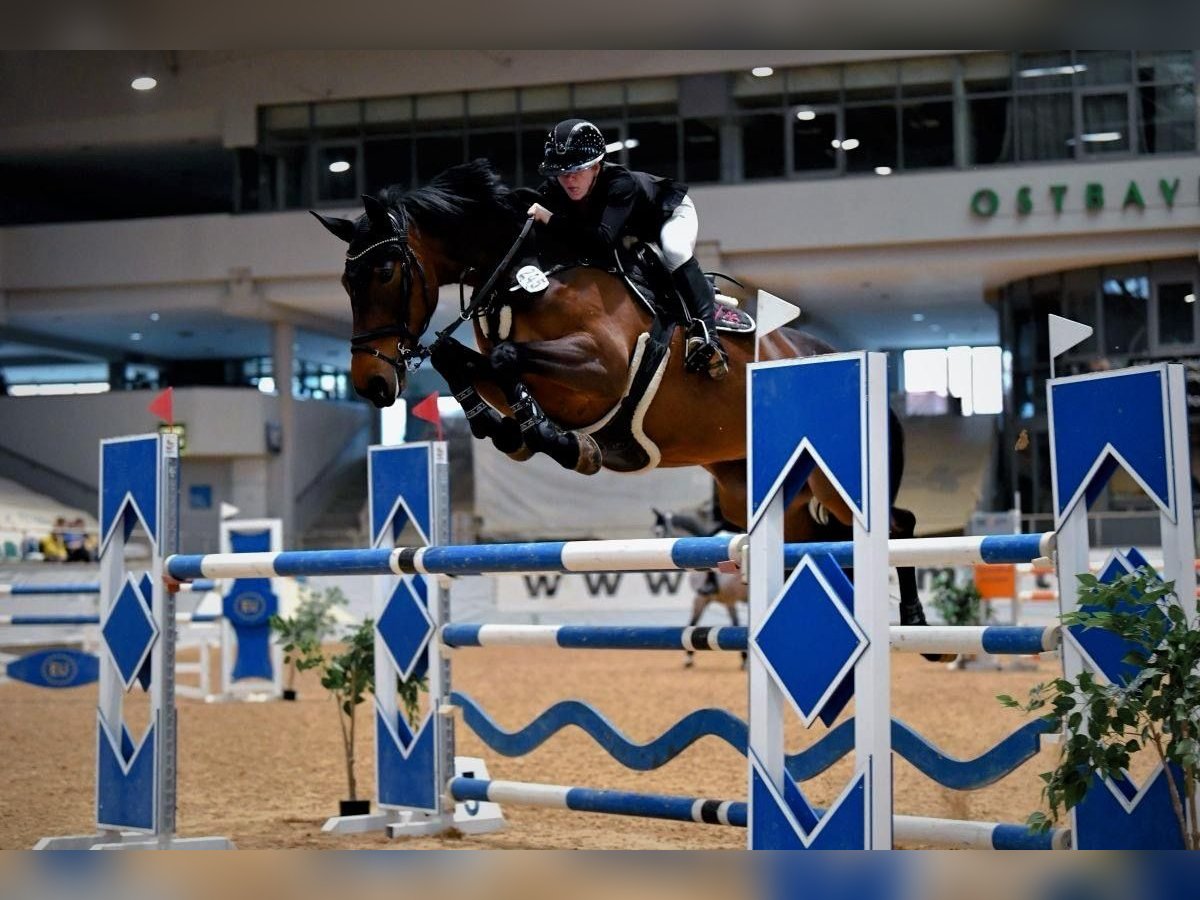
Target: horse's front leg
<point>554,360</point>
<point>463,368</point>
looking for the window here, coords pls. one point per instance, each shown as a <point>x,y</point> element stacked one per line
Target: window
<point>990,131</point>
<point>928,134</point>
<point>1176,313</point>
<point>387,162</point>
<point>1045,127</point>
<point>1125,299</point>
<point>870,141</point>
<point>337,173</point>
<point>653,147</point>
<point>815,139</point>
<point>701,150</point>
<point>972,375</point>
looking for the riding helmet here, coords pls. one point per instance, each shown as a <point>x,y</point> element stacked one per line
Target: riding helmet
<point>571,145</point>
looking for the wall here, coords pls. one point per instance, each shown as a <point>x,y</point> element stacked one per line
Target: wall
<point>226,446</point>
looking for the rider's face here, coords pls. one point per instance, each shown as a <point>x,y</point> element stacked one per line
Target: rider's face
<point>578,184</point>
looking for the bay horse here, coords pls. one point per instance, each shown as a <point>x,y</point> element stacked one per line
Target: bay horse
<point>561,361</point>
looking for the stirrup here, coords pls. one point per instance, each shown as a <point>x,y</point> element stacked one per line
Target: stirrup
<point>704,354</point>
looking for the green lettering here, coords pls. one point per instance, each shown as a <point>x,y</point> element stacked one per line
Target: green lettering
<point>1133,197</point>
<point>1168,191</point>
<point>1093,196</point>
<point>985,202</point>
<point>1024,201</point>
<point>1058,191</point>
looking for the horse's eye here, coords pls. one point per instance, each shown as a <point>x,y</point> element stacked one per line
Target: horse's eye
<point>385,272</point>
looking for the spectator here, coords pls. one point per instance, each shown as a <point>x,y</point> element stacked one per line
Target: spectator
<point>54,548</point>
<point>74,542</point>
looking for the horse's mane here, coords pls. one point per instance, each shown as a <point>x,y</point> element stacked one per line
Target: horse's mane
<point>467,204</point>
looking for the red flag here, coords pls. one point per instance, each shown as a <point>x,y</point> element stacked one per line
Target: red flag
<point>161,406</point>
<point>427,409</point>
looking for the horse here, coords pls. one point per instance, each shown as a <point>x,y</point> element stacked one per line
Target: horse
<point>725,588</point>
<point>555,362</point>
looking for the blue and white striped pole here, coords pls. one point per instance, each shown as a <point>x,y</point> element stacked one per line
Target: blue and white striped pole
<point>635,555</point>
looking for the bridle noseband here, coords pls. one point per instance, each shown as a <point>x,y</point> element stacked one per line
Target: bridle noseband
<point>407,359</point>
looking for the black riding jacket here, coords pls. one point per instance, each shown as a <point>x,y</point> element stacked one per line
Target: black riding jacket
<point>620,203</point>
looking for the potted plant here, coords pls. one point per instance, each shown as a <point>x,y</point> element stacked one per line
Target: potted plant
<point>313,622</point>
<point>348,675</point>
<point>1155,708</point>
<point>958,604</point>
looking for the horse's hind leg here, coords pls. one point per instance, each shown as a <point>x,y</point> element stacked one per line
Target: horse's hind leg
<point>731,605</point>
<point>699,604</point>
<point>904,525</point>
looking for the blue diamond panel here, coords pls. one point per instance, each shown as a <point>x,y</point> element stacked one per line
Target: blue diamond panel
<point>405,764</point>
<point>125,781</point>
<point>1125,410</point>
<point>818,401</point>
<point>1105,649</point>
<point>788,822</point>
<point>1101,822</point>
<point>405,628</point>
<point>129,633</point>
<point>400,475</point>
<point>129,467</point>
<point>807,640</point>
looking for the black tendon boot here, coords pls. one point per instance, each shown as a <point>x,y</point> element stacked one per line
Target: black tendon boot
<point>703,351</point>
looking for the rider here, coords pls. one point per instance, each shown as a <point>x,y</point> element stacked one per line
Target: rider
<point>592,205</point>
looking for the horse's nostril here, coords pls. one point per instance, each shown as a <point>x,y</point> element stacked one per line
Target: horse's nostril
<point>378,391</point>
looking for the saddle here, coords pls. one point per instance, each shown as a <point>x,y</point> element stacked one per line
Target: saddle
<point>624,443</point>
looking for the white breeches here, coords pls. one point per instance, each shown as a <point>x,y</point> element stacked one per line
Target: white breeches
<point>678,238</point>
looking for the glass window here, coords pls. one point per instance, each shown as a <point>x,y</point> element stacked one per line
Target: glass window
<point>927,77</point>
<point>762,146</point>
<point>870,141</point>
<point>814,140</point>
<point>652,96</point>
<point>1176,312</point>
<point>1125,298</point>
<point>814,84</point>
<point>336,119</point>
<point>1045,126</point>
<point>1040,71</point>
<point>928,134</point>
<point>990,130</point>
<point>987,72</point>
<point>1103,66</point>
<point>1166,65</point>
<point>533,150</point>
<point>387,162</point>
<point>286,121</point>
<point>285,176</point>
<point>337,172</point>
<point>1079,305</point>
<point>499,148</point>
<point>870,81</point>
<point>602,99</point>
<point>653,147</point>
<point>1105,123</point>
<point>1167,118</point>
<point>436,154</point>
<point>554,101</point>
<point>752,92</point>
<point>492,107</point>
<point>393,114</point>
<point>701,150</point>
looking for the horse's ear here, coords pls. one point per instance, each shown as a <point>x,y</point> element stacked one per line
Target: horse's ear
<point>377,212</point>
<point>339,228</point>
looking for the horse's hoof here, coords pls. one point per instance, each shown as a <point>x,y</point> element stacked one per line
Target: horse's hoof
<point>591,460</point>
<point>688,663</point>
<point>521,454</point>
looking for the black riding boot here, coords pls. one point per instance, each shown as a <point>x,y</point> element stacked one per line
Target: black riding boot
<point>703,351</point>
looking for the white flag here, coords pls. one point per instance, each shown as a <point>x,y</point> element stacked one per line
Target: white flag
<point>1065,334</point>
<point>773,313</point>
<point>228,511</point>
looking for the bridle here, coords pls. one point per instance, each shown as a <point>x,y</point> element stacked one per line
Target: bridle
<point>406,358</point>
<point>410,358</point>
